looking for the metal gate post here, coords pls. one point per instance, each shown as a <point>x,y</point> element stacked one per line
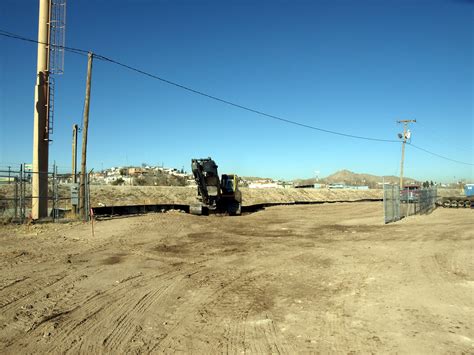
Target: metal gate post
<point>16,197</point>
<point>54,194</point>
<point>393,202</point>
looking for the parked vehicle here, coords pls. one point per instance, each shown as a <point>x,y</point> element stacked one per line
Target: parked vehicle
<point>410,194</point>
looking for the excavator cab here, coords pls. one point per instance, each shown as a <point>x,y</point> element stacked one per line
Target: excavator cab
<point>231,197</point>
<point>228,184</point>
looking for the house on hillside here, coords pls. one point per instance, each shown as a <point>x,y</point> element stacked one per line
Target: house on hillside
<point>137,171</point>
<point>98,177</point>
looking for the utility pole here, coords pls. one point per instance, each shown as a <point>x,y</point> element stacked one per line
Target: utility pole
<point>82,188</point>
<point>74,190</point>
<point>39,187</point>
<point>74,153</point>
<point>406,136</point>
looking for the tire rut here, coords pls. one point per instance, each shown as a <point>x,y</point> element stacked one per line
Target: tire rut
<point>119,309</point>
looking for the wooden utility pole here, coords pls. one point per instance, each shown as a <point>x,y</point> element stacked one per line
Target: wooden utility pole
<point>85,126</point>
<point>39,186</point>
<point>74,190</point>
<point>74,153</point>
<point>405,137</point>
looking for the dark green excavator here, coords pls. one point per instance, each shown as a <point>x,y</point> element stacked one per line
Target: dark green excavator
<point>215,195</point>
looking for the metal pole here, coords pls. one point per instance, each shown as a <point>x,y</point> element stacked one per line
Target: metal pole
<point>22,196</point>
<point>39,188</point>
<point>54,193</point>
<point>16,196</point>
<point>82,191</point>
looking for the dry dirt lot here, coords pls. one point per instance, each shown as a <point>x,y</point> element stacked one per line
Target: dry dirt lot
<point>324,278</point>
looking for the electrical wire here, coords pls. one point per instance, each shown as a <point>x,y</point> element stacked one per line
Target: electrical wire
<point>440,156</point>
<point>69,49</point>
<point>261,113</point>
<point>436,136</point>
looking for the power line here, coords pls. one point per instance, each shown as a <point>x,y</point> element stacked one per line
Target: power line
<point>69,49</point>
<point>261,113</point>
<point>439,136</point>
<point>440,156</point>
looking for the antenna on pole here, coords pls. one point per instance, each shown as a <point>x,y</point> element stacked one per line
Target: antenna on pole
<point>406,136</point>
<point>57,40</point>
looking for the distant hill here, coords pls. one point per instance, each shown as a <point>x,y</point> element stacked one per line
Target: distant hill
<point>350,178</point>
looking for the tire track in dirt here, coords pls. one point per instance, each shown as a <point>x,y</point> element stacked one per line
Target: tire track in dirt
<point>133,311</point>
<point>272,282</point>
<point>230,316</point>
<point>10,283</point>
<point>112,315</point>
<point>338,332</point>
<point>127,305</point>
<point>46,272</point>
<point>45,303</point>
<point>195,313</point>
<point>443,269</point>
<point>31,289</point>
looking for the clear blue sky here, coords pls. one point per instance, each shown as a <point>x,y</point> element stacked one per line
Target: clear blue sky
<point>344,65</point>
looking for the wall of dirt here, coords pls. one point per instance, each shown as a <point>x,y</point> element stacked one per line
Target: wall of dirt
<point>133,195</point>
<point>107,195</point>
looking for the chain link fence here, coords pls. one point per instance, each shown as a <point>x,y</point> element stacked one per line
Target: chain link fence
<point>391,203</point>
<point>407,202</point>
<point>427,200</point>
<point>16,198</point>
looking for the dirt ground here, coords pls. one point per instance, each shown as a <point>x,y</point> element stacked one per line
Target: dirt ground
<point>311,278</point>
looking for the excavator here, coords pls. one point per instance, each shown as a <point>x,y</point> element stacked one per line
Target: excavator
<point>214,194</point>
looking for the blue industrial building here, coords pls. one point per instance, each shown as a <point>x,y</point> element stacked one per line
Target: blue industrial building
<point>469,189</point>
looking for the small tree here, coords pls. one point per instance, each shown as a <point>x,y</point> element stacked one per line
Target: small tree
<point>119,181</point>
<point>140,181</point>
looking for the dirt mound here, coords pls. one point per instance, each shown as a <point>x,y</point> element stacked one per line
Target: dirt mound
<point>108,195</point>
<point>147,195</point>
